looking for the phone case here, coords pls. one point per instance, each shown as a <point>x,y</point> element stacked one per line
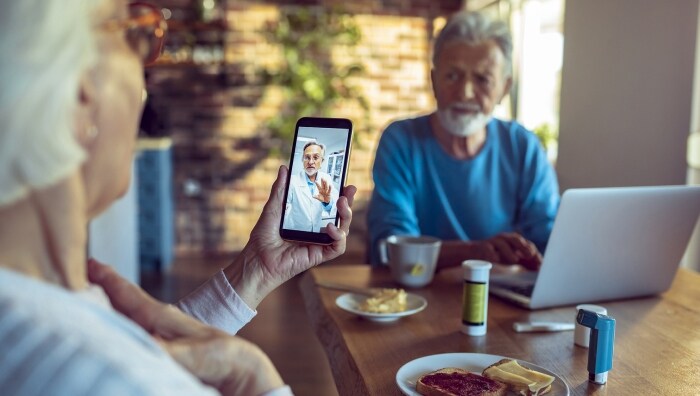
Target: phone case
<point>317,172</point>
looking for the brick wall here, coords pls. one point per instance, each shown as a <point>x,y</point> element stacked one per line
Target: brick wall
<point>215,108</point>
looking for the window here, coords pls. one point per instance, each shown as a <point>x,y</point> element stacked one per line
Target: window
<point>538,43</point>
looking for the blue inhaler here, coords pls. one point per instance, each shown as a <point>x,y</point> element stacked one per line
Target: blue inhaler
<point>600,352</point>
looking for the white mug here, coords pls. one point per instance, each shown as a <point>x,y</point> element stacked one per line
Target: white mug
<point>412,259</point>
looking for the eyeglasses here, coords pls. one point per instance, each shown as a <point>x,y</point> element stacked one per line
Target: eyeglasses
<point>315,157</point>
<point>145,30</point>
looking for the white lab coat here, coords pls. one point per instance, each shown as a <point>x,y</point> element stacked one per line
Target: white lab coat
<point>303,211</point>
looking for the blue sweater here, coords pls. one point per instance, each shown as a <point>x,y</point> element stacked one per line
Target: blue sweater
<point>419,189</point>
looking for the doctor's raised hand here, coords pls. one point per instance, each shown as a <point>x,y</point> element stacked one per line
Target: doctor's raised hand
<point>324,191</point>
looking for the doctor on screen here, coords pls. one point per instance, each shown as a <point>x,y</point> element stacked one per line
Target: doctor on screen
<point>311,192</point>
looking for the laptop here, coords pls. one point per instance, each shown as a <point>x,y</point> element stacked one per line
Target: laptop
<point>608,244</point>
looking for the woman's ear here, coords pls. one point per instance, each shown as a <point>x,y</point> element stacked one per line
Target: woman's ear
<point>85,122</point>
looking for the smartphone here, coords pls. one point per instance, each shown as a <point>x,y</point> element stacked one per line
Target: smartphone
<point>317,170</point>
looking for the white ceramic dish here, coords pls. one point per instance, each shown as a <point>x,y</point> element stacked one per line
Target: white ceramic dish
<point>408,374</point>
<point>351,301</point>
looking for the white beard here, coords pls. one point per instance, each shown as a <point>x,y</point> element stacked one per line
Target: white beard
<point>311,172</point>
<point>462,125</point>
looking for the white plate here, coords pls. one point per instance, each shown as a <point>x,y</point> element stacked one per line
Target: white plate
<point>351,301</point>
<point>408,374</point>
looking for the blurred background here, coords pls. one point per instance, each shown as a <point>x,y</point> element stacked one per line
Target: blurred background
<point>611,103</point>
<point>609,87</point>
<point>236,75</point>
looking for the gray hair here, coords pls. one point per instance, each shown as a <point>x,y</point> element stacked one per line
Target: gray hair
<point>45,48</point>
<point>475,28</point>
<point>313,143</point>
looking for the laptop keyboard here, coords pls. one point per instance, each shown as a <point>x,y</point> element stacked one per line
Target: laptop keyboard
<point>521,284</point>
<point>525,290</point>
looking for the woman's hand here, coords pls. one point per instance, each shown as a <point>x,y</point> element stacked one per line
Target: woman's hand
<point>231,364</point>
<point>267,260</point>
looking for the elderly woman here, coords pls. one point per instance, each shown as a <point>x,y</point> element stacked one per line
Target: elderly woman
<point>70,99</point>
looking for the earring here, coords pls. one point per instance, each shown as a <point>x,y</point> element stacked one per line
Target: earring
<point>88,134</point>
<point>92,132</point>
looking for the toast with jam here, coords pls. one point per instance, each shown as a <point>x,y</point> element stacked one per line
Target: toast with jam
<point>453,381</point>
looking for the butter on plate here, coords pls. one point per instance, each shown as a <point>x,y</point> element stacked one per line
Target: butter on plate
<point>519,379</point>
<point>385,301</point>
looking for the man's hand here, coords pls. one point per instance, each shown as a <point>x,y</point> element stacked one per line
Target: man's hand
<point>324,191</point>
<point>506,248</point>
<point>231,364</point>
<point>267,260</point>
<point>511,248</point>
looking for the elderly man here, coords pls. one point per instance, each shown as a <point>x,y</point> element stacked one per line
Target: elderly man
<point>482,185</point>
<point>311,192</point>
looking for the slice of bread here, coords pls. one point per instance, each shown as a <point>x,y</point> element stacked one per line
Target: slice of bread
<point>519,379</point>
<point>458,382</point>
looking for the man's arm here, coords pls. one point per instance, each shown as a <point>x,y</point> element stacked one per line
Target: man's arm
<point>392,206</point>
<point>538,196</point>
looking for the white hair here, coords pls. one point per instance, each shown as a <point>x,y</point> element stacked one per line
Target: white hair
<point>315,143</point>
<point>45,48</point>
<point>475,28</point>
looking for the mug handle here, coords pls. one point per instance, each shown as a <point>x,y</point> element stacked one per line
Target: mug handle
<point>383,252</point>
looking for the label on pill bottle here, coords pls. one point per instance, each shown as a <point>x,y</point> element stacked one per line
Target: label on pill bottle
<point>474,303</point>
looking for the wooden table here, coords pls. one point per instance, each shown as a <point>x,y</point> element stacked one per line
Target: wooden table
<point>657,340</point>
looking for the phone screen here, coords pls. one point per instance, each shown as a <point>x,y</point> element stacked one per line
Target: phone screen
<point>317,171</point>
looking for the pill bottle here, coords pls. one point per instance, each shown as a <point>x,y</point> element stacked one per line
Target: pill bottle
<point>475,297</point>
